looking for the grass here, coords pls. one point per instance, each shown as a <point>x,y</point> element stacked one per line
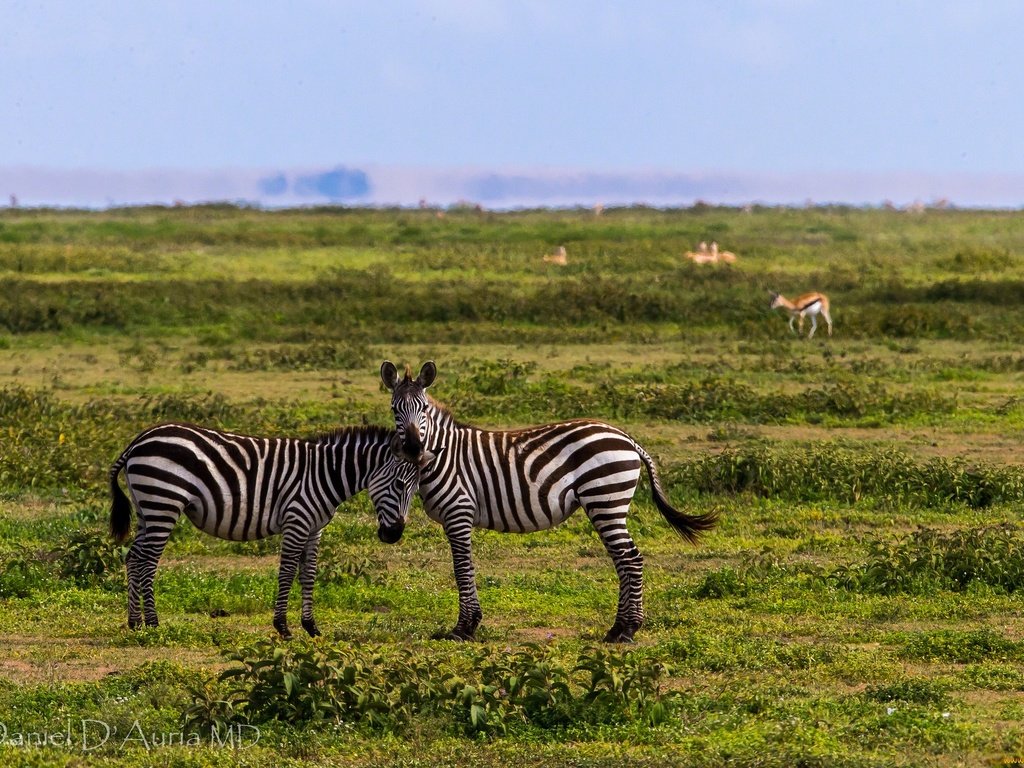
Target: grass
<point>858,604</point>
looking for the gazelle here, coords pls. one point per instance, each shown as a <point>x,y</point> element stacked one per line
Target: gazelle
<point>557,256</point>
<point>716,255</point>
<point>704,255</point>
<point>809,305</point>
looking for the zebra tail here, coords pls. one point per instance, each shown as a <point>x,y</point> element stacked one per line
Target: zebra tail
<point>120,508</point>
<point>690,527</point>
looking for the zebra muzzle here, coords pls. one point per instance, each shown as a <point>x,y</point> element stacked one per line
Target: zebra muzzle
<point>412,446</point>
<point>390,534</point>
<point>410,449</point>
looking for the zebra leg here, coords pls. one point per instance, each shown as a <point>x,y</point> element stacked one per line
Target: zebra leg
<point>293,544</point>
<point>458,529</point>
<point>629,565</point>
<point>143,558</point>
<point>131,564</point>
<point>307,575</point>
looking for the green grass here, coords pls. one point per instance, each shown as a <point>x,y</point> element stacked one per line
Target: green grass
<point>858,604</point>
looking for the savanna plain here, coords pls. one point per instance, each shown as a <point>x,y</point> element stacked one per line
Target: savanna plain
<point>859,603</point>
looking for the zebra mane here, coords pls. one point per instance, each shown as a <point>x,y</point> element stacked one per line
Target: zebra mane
<point>439,406</point>
<point>372,431</point>
<point>445,411</point>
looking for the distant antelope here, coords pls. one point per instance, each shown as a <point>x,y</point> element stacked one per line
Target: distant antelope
<point>557,256</point>
<point>700,257</point>
<point>704,255</point>
<point>809,304</point>
<point>716,255</point>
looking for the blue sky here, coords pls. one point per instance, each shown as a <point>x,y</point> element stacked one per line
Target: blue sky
<point>742,87</point>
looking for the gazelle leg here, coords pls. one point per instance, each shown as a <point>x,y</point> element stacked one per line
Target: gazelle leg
<point>828,319</point>
<point>814,326</point>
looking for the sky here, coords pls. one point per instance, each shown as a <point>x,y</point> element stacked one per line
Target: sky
<point>548,100</point>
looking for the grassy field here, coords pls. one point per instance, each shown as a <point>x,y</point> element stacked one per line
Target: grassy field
<point>860,603</point>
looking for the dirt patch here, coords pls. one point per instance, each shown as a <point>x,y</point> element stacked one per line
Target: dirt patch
<point>32,660</point>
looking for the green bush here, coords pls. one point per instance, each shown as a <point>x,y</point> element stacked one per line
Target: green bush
<point>912,690</point>
<point>22,572</point>
<point>91,558</point>
<point>930,559</point>
<point>334,567</point>
<point>313,357</point>
<point>825,472</point>
<point>500,692</point>
<point>968,647</point>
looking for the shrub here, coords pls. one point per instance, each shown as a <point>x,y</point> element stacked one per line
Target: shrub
<point>929,559</point>
<point>90,559</point>
<point>333,567</point>
<point>312,357</point>
<point>958,647</point>
<point>825,472</point>
<point>502,692</point>
<point>21,573</point>
<point>911,690</point>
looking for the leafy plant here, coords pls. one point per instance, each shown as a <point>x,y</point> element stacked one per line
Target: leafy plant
<point>21,573</point>
<point>91,558</point>
<point>930,559</point>
<point>627,684</point>
<point>334,567</point>
<point>502,692</point>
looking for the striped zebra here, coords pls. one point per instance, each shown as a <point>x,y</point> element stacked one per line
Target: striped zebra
<point>526,480</point>
<point>244,488</point>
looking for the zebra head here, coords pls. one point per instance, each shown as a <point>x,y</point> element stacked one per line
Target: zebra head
<point>391,487</point>
<point>409,405</point>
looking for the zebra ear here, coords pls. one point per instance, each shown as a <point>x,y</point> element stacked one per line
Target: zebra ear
<point>389,374</point>
<point>427,374</point>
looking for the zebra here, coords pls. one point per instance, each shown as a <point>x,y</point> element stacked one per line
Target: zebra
<point>243,488</point>
<point>525,480</point>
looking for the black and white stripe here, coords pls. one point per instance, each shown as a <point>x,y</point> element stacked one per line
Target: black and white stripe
<point>244,488</point>
<point>529,480</point>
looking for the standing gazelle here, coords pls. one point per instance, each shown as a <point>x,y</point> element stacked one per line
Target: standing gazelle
<point>809,304</point>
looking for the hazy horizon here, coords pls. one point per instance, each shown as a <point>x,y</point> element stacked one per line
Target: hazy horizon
<point>498,188</point>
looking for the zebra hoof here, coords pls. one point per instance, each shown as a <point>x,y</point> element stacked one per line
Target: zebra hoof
<point>458,635</point>
<point>152,622</point>
<point>134,623</point>
<point>282,629</point>
<point>619,634</point>
<point>311,628</point>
